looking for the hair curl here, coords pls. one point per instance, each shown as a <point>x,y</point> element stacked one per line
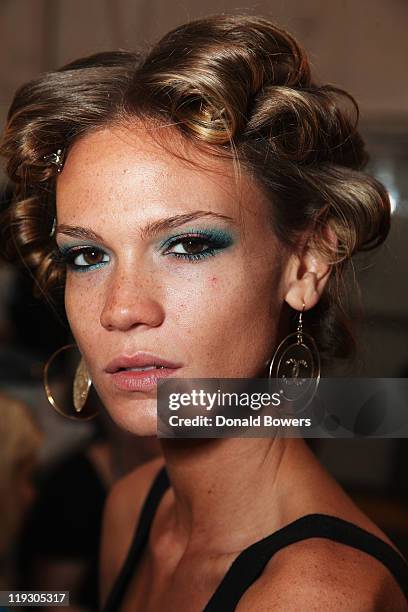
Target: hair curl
<point>239,87</point>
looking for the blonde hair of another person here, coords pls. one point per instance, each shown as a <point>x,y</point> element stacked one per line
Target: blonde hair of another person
<point>20,440</point>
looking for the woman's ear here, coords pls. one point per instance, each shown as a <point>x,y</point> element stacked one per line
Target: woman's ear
<point>306,275</point>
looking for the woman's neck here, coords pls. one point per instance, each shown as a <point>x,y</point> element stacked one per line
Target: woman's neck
<point>219,482</point>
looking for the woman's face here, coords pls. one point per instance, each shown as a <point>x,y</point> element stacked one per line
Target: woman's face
<point>165,259</point>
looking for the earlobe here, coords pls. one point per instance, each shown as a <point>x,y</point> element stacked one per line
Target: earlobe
<point>306,280</point>
<point>303,291</point>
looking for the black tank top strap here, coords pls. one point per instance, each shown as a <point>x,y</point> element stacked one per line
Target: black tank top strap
<point>250,563</point>
<point>158,487</point>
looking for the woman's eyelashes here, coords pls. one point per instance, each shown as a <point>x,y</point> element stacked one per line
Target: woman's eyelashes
<point>82,258</point>
<point>196,245</point>
<point>191,247</point>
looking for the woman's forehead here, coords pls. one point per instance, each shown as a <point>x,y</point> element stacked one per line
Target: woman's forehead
<point>131,165</point>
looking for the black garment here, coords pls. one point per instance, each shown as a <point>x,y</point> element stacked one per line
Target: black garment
<point>249,564</point>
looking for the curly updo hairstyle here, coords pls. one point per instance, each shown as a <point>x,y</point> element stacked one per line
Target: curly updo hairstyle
<point>238,87</point>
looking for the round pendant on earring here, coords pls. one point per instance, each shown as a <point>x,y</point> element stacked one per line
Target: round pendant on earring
<point>296,366</point>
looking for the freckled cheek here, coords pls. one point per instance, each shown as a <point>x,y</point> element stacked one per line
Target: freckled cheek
<point>240,302</point>
<point>81,312</point>
<point>193,309</point>
<point>203,311</point>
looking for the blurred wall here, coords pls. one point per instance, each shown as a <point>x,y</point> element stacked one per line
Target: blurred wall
<point>362,45</point>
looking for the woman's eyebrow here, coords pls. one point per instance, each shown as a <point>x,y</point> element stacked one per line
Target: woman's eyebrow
<point>151,229</point>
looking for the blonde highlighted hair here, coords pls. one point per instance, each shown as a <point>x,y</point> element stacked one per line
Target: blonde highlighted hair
<point>20,442</point>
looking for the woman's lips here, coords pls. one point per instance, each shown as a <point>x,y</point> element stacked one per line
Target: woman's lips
<point>132,380</point>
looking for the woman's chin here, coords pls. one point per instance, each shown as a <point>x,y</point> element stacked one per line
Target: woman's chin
<point>138,416</point>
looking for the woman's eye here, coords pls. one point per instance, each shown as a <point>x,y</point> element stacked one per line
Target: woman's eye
<point>82,258</point>
<point>194,248</point>
<point>90,257</point>
<point>190,246</point>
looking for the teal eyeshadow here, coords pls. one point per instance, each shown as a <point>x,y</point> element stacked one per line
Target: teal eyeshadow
<point>219,237</point>
<point>67,249</point>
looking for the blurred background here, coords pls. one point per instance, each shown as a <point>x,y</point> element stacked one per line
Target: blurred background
<point>56,472</point>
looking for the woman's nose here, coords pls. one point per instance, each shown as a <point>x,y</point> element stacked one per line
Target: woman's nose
<point>129,304</point>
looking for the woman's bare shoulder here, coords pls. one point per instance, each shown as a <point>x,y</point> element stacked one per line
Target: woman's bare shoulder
<point>121,514</point>
<point>324,575</point>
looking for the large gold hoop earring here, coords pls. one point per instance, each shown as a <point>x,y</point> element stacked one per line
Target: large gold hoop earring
<point>78,406</point>
<point>296,363</point>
